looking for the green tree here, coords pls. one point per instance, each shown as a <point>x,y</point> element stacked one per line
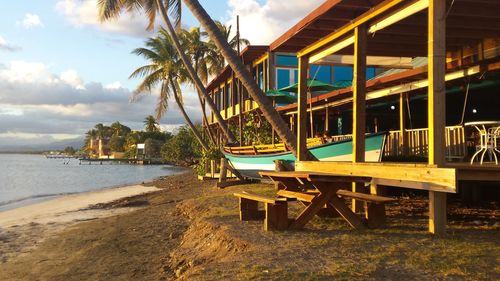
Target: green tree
<point>119,129</point>
<point>152,148</point>
<point>182,148</point>
<point>265,104</point>
<point>113,8</point>
<point>116,143</point>
<point>164,69</point>
<point>150,124</point>
<point>69,150</point>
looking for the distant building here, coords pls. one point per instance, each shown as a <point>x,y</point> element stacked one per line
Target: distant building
<point>140,150</point>
<point>99,147</point>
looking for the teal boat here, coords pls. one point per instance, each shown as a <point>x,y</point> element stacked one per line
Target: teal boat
<point>250,162</point>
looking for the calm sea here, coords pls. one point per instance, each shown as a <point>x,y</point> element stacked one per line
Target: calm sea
<point>25,179</point>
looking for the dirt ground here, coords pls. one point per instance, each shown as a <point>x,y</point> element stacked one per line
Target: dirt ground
<point>190,230</point>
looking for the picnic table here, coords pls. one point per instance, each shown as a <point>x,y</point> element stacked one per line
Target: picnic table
<point>326,186</point>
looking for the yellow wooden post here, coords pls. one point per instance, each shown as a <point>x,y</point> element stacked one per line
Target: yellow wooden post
<point>359,105</point>
<point>302,109</point>
<point>403,138</point>
<point>436,107</point>
<point>327,121</point>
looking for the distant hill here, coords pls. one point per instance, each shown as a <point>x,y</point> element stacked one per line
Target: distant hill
<point>76,143</point>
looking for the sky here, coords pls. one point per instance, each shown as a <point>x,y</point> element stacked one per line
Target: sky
<point>62,71</point>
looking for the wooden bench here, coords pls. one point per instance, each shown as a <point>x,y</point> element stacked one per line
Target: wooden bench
<point>275,213</point>
<point>374,204</point>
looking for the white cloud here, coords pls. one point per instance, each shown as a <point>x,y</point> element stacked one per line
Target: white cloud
<point>30,21</point>
<point>114,86</point>
<point>6,46</point>
<point>72,78</point>
<point>22,71</point>
<point>35,101</point>
<point>263,23</point>
<point>85,13</point>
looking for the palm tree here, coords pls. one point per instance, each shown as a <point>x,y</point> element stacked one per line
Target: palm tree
<point>265,105</point>
<point>198,50</point>
<point>232,41</point>
<point>150,124</point>
<point>113,8</point>
<point>205,57</point>
<point>164,69</point>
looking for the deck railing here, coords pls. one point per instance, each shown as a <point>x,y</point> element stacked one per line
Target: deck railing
<point>418,144</point>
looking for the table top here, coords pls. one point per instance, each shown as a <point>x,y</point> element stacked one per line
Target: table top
<point>487,122</point>
<point>315,176</point>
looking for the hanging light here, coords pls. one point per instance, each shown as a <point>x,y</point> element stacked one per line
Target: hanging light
<point>474,111</point>
<point>393,107</point>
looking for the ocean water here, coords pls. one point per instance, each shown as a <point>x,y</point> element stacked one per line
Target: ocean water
<point>26,179</point>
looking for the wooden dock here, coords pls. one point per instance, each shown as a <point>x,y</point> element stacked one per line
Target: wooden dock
<point>101,161</point>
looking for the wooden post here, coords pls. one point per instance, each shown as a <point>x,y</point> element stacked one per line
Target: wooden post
<point>223,170</point>
<point>359,106</point>
<point>212,169</point>
<point>238,88</point>
<point>436,107</point>
<point>403,137</point>
<point>302,109</point>
<point>327,122</point>
<point>272,70</point>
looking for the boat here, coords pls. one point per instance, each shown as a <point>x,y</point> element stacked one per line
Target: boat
<point>250,160</point>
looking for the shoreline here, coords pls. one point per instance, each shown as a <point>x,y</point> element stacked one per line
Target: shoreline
<point>71,207</point>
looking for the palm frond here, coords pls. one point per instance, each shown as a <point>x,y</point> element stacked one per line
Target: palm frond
<point>162,104</point>
<point>174,8</point>
<point>108,9</point>
<point>143,71</point>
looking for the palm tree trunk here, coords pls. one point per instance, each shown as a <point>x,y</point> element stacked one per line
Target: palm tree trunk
<point>255,92</point>
<point>198,84</point>
<point>197,135</point>
<point>205,120</point>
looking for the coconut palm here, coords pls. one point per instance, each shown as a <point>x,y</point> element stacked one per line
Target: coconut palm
<point>113,8</point>
<point>232,41</point>
<point>265,104</point>
<point>150,124</point>
<point>205,57</point>
<point>198,49</point>
<point>164,70</point>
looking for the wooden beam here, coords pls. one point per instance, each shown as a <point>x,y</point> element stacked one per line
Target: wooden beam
<point>359,106</point>
<point>402,124</point>
<point>332,49</point>
<point>302,109</point>
<point>436,81</point>
<point>359,94</point>
<point>369,15</point>
<point>436,107</point>
<point>415,176</point>
<point>402,13</point>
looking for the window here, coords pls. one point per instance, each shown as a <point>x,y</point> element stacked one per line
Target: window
<point>321,72</point>
<point>286,60</point>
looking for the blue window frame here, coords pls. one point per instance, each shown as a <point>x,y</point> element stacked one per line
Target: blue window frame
<point>286,60</point>
<point>321,72</point>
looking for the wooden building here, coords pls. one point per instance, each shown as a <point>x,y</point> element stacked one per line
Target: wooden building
<point>419,69</point>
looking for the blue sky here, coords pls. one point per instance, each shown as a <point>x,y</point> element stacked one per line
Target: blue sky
<point>62,71</point>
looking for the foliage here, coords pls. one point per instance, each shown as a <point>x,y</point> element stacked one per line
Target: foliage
<point>256,130</point>
<point>152,148</point>
<point>213,153</point>
<point>151,125</point>
<point>69,150</point>
<point>116,143</point>
<point>182,148</point>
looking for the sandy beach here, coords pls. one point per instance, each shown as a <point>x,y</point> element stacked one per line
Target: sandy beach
<point>70,207</point>
<point>190,230</point>
<point>26,226</point>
